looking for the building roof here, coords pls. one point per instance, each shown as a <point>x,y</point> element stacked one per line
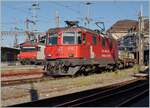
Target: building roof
<point>125,25</point>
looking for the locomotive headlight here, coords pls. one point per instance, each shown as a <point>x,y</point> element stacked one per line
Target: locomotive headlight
<point>71,55</point>
<point>49,55</point>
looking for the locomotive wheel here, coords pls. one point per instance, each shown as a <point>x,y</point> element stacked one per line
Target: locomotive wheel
<point>66,70</point>
<point>27,62</point>
<point>73,70</point>
<point>89,70</point>
<point>22,62</point>
<point>62,70</point>
<point>120,66</point>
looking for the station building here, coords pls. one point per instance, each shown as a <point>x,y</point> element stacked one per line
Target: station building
<point>9,54</point>
<point>126,32</point>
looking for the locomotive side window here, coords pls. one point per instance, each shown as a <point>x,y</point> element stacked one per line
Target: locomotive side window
<point>84,39</point>
<point>111,43</point>
<point>53,39</point>
<point>103,43</point>
<point>69,38</point>
<point>94,40</point>
<point>79,40</point>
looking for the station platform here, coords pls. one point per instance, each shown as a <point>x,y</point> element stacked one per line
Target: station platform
<point>145,73</point>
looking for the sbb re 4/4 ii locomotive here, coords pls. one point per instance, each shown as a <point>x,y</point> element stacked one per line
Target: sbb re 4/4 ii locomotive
<point>32,52</point>
<point>74,49</point>
<point>28,53</point>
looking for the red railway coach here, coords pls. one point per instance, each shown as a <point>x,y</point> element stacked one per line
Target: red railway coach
<point>72,49</point>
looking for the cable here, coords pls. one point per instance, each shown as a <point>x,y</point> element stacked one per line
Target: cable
<point>68,7</point>
<point>122,9</point>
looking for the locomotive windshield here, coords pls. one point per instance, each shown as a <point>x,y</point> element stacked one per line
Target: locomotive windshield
<point>69,38</point>
<point>72,38</point>
<point>53,39</point>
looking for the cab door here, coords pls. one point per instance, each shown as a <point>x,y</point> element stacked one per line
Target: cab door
<point>41,48</point>
<point>85,48</point>
<point>93,46</point>
<point>40,53</point>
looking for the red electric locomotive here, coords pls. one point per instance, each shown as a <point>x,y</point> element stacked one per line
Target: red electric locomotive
<point>72,49</point>
<point>28,53</point>
<point>32,52</point>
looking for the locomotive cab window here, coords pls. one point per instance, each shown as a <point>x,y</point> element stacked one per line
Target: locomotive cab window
<point>69,38</point>
<point>94,40</point>
<point>53,39</point>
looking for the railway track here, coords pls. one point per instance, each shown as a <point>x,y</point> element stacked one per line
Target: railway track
<point>112,98</point>
<point>32,77</point>
<point>21,74</point>
<point>106,98</point>
<point>115,95</point>
<point>24,81</point>
<point>20,78</point>
<point>30,80</point>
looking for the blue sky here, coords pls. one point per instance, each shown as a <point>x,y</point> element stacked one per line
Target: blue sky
<point>14,13</point>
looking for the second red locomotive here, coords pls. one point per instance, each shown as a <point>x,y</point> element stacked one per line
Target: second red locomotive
<point>71,49</point>
<point>32,52</point>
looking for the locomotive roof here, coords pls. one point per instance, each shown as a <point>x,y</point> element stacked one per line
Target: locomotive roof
<point>71,29</point>
<point>28,43</point>
<point>78,29</point>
